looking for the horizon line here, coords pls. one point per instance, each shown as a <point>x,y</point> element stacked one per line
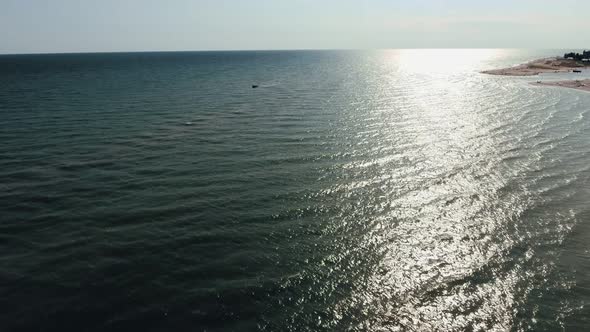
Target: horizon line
<point>283,50</point>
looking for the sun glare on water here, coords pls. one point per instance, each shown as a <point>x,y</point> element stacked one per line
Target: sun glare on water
<point>440,60</point>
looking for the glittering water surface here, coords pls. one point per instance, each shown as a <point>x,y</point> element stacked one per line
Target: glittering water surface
<point>361,191</point>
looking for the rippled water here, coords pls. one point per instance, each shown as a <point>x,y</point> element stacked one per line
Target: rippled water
<point>361,191</point>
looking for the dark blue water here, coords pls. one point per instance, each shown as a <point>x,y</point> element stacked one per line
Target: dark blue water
<point>360,191</point>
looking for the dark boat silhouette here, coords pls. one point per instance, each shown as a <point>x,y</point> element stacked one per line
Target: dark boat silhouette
<point>254,86</point>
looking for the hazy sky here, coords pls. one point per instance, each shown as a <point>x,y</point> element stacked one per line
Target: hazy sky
<point>136,25</point>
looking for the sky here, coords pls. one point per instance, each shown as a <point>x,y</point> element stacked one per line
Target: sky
<point>55,26</point>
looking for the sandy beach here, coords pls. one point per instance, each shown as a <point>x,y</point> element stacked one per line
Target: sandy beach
<point>572,84</point>
<point>536,67</point>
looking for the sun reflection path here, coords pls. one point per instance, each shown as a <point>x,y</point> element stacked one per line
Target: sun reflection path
<point>432,61</point>
<point>447,217</point>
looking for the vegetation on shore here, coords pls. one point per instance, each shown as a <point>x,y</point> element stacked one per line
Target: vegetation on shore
<point>584,56</point>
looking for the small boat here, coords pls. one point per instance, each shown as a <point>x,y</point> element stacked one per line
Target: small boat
<point>577,71</point>
<point>254,86</point>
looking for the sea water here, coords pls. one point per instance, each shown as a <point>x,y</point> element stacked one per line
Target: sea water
<point>394,190</point>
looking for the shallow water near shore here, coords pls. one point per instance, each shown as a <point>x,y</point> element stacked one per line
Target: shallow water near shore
<point>395,190</point>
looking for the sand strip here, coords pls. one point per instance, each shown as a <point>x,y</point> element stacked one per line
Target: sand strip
<point>536,67</point>
<point>583,85</point>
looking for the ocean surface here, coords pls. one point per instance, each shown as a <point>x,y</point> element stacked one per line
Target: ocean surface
<point>394,190</point>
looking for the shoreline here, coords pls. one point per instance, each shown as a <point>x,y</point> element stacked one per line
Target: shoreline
<point>547,65</point>
<point>539,66</point>
<point>583,85</point>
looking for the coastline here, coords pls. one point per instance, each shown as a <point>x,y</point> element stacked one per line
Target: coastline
<point>583,85</point>
<point>539,66</point>
<point>547,65</point>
